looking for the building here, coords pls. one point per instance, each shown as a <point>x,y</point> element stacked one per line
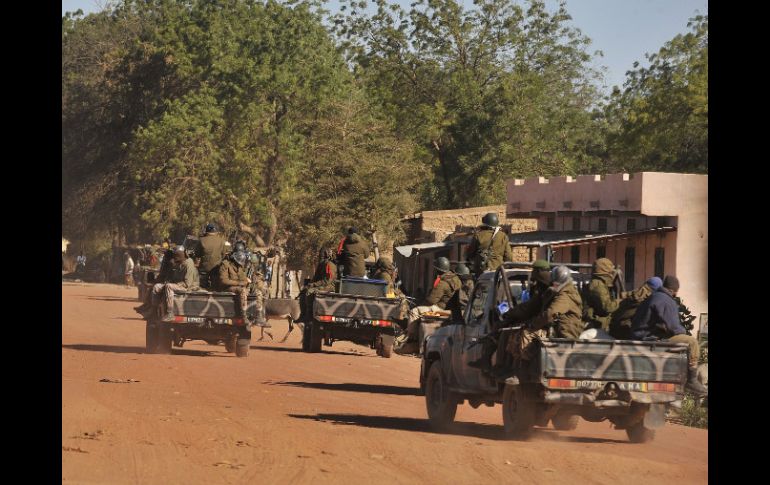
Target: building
<point>648,223</point>
<point>432,234</point>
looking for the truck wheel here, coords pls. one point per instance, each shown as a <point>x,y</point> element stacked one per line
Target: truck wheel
<point>231,343</point>
<point>316,338</point>
<point>639,434</point>
<point>151,338</point>
<point>565,422</point>
<point>518,413</point>
<point>439,400</point>
<point>165,338</point>
<point>242,347</point>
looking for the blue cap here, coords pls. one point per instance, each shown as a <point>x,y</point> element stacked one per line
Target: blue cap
<point>655,282</point>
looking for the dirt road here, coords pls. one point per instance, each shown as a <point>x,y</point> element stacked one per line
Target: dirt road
<point>283,416</point>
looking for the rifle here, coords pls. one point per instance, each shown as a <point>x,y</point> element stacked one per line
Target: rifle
<point>618,284</point>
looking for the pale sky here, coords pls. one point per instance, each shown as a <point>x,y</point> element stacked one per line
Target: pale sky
<point>624,30</point>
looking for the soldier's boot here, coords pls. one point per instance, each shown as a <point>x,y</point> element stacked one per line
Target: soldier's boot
<point>168,317</point>
<point>693,384</point>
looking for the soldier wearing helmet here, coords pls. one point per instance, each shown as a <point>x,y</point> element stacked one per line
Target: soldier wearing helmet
<point>490,245</point>
<point>444,288</point>
<point>385,271</point>
<point>232,277</point>
<point>184,277</point>
<point>209,251</point>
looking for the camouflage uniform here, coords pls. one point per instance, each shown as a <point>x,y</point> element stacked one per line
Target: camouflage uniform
<point>562,308</point>
<point>184,277</point>
<point>355,249</point>
<point>232,277</point>
<point>620,323</point>
<point>443,290</point>
<point>599,303</point>
<point>499,249</point>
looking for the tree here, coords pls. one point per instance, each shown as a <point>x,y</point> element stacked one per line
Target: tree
<point>659,121</point>
<point>487,94</point>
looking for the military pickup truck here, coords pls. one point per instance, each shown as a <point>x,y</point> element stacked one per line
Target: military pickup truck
<point>202,315</point>
<point>629,383</point>
<point>354,313</point>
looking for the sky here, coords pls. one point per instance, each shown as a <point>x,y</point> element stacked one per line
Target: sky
<point>624,30</point>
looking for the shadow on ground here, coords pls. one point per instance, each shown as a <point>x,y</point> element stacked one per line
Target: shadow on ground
<point>112,298</point>
<point>352,387</point>
<point>476,430</point>
<point>121,349</point>
<point>297,349</point>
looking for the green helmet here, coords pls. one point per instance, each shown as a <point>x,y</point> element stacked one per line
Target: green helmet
<point>541,271</point>
<point>491,219</point>
<point>442,264</point>
<point>461,269</point>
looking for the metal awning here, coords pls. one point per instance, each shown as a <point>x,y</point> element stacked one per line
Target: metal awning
<point>576,238</point>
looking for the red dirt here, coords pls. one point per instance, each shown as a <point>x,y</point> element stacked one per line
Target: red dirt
<point>283,416</point>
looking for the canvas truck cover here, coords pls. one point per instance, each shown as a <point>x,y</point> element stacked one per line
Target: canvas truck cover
<point>209,304</point>
<point>614,360</point>
<point>350,306</point>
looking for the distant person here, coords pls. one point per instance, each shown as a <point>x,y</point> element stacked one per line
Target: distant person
<point>658,318</point>
<point>128,269</point>
<point>80,263</point>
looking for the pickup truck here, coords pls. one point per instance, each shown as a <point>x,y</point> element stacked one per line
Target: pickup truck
<point>202,315</point>
<point>629,383</point>
<point>359,318</point>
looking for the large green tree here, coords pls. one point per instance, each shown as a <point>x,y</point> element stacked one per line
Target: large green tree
<point>497,91</point>
<point>659,120</point>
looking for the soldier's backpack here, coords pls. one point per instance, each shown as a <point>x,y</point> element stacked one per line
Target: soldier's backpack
<point>485,255</point>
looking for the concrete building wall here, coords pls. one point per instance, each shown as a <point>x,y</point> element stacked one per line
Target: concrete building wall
<point>434,226</point>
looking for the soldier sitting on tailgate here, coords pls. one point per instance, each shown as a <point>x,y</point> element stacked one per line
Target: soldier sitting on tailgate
<point>620,322</point>
<point>184,277</point>
<point>444,288</point>
<point>232,277</point>
<point>323,280</point>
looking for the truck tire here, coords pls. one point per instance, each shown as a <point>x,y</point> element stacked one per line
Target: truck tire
<point>242,347</point>
<point>565,422</point>
<point>518,413</point>
<point>165,338</point>
<point>639,434</point>
<point>151,338</point>
<point>316,337</point>
<point>231,343</point>
<point>440,402</point>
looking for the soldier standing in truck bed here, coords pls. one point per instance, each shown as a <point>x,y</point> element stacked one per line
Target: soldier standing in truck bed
<point>209,251</point>
<point>599,303</point>
<point>490,246</point>
<point>352,253</point>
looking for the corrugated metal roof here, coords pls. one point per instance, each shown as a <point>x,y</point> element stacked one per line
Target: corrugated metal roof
<point>570,238</point>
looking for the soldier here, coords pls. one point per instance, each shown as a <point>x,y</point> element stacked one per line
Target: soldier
<point>352,252</point>
<point>385,271</point>
<point>599,303</point>
<point>658,318</point>
<point>466,290</point>
<point>184,277</point>
<point>209,251</point>
<point>620,323</point>
<point>490,246</point>
<point>323,280</point>
<point>231,276</point>
<point>444,288</point>
<point>540,281</point>
<point>562,309</point>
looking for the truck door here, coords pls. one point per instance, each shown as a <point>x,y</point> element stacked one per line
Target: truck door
<point>464,348</point>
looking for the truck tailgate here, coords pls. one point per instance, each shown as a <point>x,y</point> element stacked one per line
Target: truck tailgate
<point>209,304</point>
<point>374,308</point>
<point>614,360</point>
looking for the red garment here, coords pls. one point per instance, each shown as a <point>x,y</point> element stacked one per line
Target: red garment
<point>435,283</point>
<point>328,271</point>
<point>339,248</point>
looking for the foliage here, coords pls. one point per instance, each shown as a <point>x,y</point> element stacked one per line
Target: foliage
<point>693,412</point>
<point>659,121</point>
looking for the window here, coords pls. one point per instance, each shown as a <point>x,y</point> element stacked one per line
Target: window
<point>602,224</point>
<point>631,224</point>
<point>629,267</point>
<point>662,222</point>
<point>601,252</point>
<point>576,223</point>
<point>479,299</point>
<point>575,254</point>
<point>550,223</point>
<point>660,258</point>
